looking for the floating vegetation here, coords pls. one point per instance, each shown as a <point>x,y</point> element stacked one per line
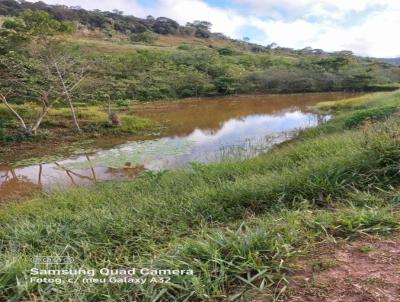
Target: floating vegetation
<point>37,160</point>
<point>133,154</point>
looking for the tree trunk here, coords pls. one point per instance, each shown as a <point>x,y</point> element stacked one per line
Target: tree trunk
<point>23,124</point>
<point>67,94</point>
<point>44,112</point>
<point>71,106</point>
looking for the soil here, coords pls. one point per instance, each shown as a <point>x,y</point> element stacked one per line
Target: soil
<point>363,270</point>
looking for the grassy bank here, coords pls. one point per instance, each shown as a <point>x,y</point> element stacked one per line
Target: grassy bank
<point>57,134</point>
<point>237,225</point>
<point>93,120</point>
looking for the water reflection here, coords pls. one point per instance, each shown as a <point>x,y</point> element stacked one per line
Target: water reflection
<point>245,129</point>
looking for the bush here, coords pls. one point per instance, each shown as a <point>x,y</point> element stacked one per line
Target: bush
<point>146,37</point>
<point>370,114</point>
<point>225,51</point>
<point>123,103</point>
<point>184,47</point>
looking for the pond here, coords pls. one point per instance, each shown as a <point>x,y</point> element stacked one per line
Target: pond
<point>198,130</point>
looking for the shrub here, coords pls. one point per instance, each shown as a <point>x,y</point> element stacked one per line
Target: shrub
<point>184,47</point>
<point>123,103</point>
<point>369,114</point>
<point>225,51</point>
<point>146,37</point>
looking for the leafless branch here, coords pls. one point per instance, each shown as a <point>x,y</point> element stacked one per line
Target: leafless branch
<point>45,110</point>
<point>4,100</point>
<point>67,94</point>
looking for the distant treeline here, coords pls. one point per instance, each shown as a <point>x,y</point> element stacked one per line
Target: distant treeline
<point>190,70</point>
<point>116,20</point>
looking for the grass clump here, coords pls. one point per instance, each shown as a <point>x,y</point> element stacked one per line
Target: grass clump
<point>237,225</point>
<point>369,115</point>
<point>133,124</point>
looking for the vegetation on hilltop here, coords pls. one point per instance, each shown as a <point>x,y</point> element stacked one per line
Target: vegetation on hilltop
<point>110,22</point>
<point>236,224</point>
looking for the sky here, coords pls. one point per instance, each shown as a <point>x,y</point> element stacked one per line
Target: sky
<point>366,27</point>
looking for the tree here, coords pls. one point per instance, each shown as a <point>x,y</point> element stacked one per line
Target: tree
<point>202,28</point>
<point>38,67</point>
<point>150,18</point>
<point>118,12</point>
<point>16,75</point>
<point>66,72</point>
<point>165,26</point>
<point>273,45</point>
<point>11,35</point>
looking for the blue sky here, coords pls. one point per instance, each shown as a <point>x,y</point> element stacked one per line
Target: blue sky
<point>366,27</point>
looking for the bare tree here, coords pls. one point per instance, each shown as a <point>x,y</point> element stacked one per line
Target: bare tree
<point>66,72</point>
<point>56,75</point>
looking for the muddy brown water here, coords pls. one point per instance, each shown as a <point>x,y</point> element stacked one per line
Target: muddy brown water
<point>198,130</point>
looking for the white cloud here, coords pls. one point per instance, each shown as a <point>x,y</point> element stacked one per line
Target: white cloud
<point>366,27</point>
<point>373,37</point>
<point>313,8</point>
<point>332,27</point>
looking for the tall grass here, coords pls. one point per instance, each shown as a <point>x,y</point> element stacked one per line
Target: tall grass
<point>236,224</point>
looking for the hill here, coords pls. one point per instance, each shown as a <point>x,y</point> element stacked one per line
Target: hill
<point>156,58</point>
<point>395,61</point>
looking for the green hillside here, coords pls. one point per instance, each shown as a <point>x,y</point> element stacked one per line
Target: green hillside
<point>151,59</point>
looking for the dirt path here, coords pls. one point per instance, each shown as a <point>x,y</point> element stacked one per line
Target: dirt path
<point>362,270</point>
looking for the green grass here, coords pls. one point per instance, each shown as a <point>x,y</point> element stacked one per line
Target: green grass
<point>236,224</point>
<point>27,110</point>
<point>365,101</point>
<point>132,124</point>
<point>92,118</point>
